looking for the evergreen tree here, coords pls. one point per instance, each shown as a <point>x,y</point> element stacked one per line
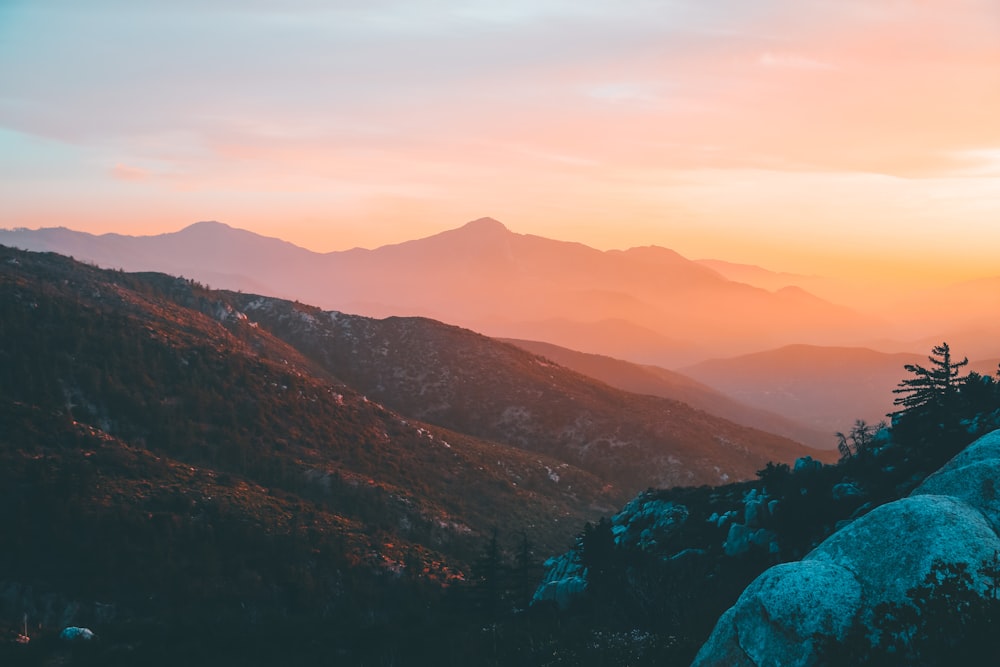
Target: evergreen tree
<point>931,389</point>
<point>859,440</point>
<point>599,554</point>
<point>526,573</point>
<point>488,573</point>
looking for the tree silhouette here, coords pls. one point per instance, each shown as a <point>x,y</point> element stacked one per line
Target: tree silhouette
<point>488,573</point>
<point>930,406</point>
<point>932,388</point>
<point>859,439</point>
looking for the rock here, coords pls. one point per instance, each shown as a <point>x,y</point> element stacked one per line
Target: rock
<point>755,510</point>
<point>972,477</point>
<point>845,490</point>
<point>75,634</point>
<point>561,591</point>
<point>741,537</point>
<point>641,524</point>
<point>807,463</point>
<point>564,580</point>
<point>645,520</point>
<point>813,598</point>
<point>737,540</point>
<point>891,549</point>
<point>953,516</point>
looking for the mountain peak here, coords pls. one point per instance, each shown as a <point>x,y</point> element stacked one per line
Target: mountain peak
<point>207,225</point>
<point>485,226</point>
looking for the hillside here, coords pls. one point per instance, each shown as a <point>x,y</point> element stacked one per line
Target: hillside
<point>466,382</point>
<point>123,403</point>
<point>196,473</point>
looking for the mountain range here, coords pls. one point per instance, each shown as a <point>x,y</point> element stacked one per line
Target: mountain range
<point>645,304</point>
<point>719,322</point>
<point>270,459</point>
<point>440,428</point>
<point>826,388</point>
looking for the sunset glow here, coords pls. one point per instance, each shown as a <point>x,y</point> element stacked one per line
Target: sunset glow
<point>852,137</point>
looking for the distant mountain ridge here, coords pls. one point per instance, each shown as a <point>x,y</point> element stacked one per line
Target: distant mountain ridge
<point>825,387</point>
<point>483,276</point>
<point>657,381</point>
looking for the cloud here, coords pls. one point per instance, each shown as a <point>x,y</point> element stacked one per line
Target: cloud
<point>124,172</point>
<point>978,162</point>
<point>792,61</point>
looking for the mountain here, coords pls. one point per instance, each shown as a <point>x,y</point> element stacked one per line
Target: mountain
<point>485,277</point>
<point>285,395</point>
<point>827,388</point>
<point>184,466</point>
<point>764,278</point>
<point>644,379</point>
<point>152,395</point>
<point>467,382</point>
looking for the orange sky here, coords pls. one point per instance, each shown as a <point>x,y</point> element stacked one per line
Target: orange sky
<point>858,136</point>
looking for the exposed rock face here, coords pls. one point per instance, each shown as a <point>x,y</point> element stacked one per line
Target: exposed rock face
<point>757,508</point>
<point>640,524</point>
<point>954,516</point>
<point>644,520</point>
<point>564,580</point>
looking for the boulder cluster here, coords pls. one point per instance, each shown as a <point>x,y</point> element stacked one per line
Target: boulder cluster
<point>953,516</point>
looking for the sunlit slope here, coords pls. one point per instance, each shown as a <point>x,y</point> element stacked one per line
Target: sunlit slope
<point>168,367</point>
<point>468,382</point>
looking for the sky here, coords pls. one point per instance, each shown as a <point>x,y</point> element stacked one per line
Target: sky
<point>814,136</point>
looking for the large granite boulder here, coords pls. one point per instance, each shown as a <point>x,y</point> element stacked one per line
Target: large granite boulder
<point>953,516</point>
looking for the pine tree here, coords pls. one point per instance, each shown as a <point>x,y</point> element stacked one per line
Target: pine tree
<point>859,440</point>
<point>526,572</point>
<point>598,553</point>
<point>932,389</point>
<point>488,574</point>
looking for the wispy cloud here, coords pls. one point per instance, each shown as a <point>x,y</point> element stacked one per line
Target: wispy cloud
<point>124,172</point>
<point>792,61</point>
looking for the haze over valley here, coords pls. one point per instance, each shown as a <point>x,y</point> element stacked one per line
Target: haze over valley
<point>766,343</point>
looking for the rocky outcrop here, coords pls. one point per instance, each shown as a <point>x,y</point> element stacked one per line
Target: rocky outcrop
<point>757,510</point>
<point>564,579</point>
<point>643,522</point>
<point>954,515</point>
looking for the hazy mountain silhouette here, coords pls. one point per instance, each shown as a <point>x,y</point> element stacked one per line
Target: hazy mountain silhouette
<point>645,379</point>
<point>758,276</point>
<point>824,387</point>
<point>651,303</point>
